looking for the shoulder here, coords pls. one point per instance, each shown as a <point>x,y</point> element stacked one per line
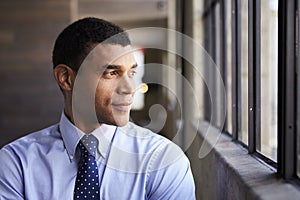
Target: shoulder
<point>27,143</point>
<point>16,157</point>
<point>159,151</point>
<point>167,168</point>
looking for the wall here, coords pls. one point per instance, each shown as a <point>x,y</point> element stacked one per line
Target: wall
<point>30,99</point>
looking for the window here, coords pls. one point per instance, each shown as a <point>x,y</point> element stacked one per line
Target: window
<point>227,53</point>
<point>267,143</point>
<point>287,89</point>
<point>217,59</point>
<point>243,135</point>
<point>258,60</point>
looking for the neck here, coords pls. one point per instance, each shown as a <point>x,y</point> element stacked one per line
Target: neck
<point>82,124</point>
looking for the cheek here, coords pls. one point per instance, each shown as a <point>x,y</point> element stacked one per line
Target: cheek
<point>104,95</point>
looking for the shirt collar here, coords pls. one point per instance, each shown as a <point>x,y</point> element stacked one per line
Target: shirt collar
<point>71,135</point>
<point>104,134</point>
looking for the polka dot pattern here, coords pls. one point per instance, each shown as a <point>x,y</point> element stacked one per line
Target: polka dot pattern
<point>87,180</point>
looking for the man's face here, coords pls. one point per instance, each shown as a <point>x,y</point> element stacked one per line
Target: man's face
<point>110,80</point>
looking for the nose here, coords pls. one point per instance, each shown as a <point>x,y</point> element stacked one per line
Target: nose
<point>126,85</point>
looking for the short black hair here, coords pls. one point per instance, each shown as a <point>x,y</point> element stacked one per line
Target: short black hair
<point>76,41</point>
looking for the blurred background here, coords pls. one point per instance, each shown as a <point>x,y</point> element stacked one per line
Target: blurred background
<point>30,99</point>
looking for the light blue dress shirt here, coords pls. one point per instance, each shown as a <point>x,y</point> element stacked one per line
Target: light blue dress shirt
<point>134,163</point>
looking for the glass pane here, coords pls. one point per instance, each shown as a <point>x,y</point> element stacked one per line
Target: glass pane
<point>219,108</point>
<point>229,65</point>
<point>243,136</point>
<point>199,84</point>
<point>269,78</point>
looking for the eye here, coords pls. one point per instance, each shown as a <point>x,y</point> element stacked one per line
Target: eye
<point>132,73</point>
<point>110,74</point>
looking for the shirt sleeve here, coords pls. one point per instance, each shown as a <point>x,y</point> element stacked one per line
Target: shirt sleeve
<point>11,184</point>
<point>174,181</point>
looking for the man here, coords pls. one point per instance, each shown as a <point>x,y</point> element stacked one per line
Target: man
<point>94,152</point>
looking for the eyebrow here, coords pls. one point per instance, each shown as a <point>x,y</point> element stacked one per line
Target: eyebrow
<point>117,66</point>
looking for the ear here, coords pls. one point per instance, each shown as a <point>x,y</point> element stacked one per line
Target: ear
<point>65,77</point>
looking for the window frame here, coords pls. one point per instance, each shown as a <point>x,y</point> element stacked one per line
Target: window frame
<point>254,76</point>
<point>287,133</point>
<point>288,82</point>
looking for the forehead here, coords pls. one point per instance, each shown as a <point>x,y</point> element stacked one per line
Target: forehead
<point>104,54</point>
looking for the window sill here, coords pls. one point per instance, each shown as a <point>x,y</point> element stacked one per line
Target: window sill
<point>229,172</point>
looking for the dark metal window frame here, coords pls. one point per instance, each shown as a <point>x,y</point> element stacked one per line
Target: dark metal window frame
<point>288,110</point>
<point>287,94</point>
<point>236,69</point>
<point>298,89</point>
<point>223,53</point>
<point>210,47</point>
<point>254,79</point>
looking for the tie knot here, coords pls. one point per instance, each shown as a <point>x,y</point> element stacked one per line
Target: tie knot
<point>89,143</point>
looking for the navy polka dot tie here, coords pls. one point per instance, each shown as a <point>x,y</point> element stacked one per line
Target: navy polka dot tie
<point>87,180</point>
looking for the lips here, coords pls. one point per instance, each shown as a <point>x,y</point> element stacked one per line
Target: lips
<point>124,107</point>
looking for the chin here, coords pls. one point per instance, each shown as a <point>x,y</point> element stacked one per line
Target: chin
<point>120,121</point>
<point>121,118</point>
